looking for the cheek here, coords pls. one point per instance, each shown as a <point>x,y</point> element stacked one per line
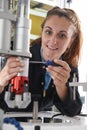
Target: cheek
<point>44,41</point>
<point>63,48</point>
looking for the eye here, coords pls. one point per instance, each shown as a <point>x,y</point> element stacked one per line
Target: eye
<point>48,32</point>
<point>62,35</point>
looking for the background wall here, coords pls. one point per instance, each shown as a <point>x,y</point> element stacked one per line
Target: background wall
<point>80,7</point>
<point>36,22</point>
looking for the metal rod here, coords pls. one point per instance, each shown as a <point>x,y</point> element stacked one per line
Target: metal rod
<point>37,62</point>
<point>48,62</point>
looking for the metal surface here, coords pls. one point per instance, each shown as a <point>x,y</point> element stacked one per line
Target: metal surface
<point>20,48</point>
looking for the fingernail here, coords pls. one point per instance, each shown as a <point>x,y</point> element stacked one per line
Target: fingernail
<point>21,69</point>
<point>17,59</point>
<point>55,60</point>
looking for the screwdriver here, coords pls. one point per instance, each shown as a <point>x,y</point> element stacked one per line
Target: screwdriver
<point>47,63</point>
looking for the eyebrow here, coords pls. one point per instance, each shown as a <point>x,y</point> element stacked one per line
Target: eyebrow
<point>51,29</point>
<point>47,27</point>
<point>63,31</point>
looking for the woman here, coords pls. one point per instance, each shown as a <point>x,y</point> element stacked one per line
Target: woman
<point>60,42</point>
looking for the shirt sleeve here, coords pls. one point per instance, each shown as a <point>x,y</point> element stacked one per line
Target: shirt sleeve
<point>69,106</point>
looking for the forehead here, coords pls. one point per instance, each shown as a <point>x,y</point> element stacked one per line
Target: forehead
<point>58,23</point>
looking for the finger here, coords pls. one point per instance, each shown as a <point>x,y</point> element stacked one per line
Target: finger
<point>15,70</point>
<point>12,63</point>
<point>59,76</point>
<point>9,77</point>
<point>58,73</point>
<point>63,64</point>
<point>10,59</point>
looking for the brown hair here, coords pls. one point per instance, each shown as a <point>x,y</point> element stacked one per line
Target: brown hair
<point>72,55</point>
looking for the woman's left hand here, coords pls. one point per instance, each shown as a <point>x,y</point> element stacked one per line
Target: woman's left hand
<point>60,75</point>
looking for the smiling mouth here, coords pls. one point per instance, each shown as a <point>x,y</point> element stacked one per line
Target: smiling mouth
<point>51,48</point>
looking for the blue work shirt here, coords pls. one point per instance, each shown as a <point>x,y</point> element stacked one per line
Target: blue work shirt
<point>47,74</point>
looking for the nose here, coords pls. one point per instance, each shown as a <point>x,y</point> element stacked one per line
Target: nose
<point>54,40</point>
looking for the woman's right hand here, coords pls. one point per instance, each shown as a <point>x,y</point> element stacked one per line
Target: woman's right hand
<point>11,69</point>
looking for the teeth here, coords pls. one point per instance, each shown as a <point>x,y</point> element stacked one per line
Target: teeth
<point>52,48</point>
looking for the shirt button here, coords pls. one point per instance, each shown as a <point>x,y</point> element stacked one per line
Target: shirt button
<point>42,83</point>
<point>44,67</point>
<point>52,85</point>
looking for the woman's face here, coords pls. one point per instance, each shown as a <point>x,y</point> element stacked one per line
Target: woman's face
<point>56,37</point>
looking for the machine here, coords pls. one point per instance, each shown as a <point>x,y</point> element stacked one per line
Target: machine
<point>19,84</point>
